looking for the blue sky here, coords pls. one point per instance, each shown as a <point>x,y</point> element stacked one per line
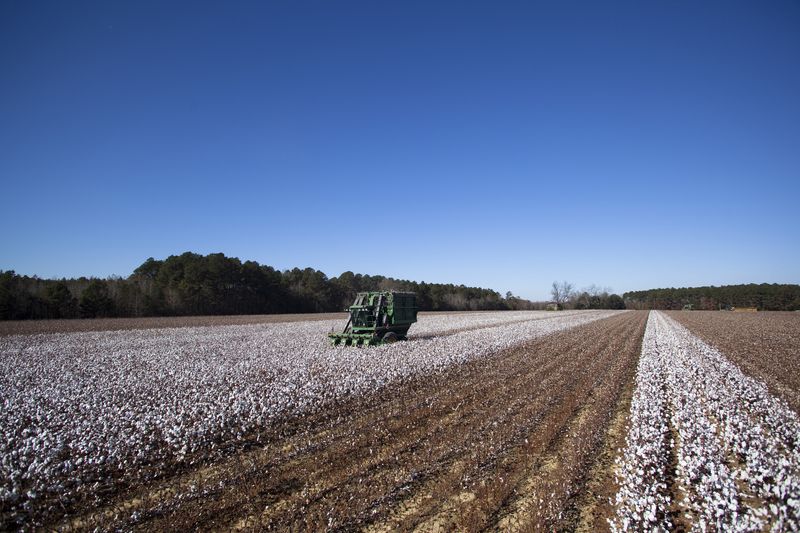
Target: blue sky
<point>506,145</point>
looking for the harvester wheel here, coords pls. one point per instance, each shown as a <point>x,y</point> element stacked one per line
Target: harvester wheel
<point>390,337</point>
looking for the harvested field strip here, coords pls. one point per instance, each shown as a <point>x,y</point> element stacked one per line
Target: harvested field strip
<point>549,391</point>
<point>485,443</point>
<point>553,452</point>
<point>448,435</point>
<point>595,501</point>
<point>764,345</point>
<point>733,447</point>
<point>567,464</point>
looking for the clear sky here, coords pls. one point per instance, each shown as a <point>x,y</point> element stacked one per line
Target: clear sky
<point>505,145</point>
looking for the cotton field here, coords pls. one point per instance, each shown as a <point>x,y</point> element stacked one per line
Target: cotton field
<point>79,406</point>
<point>735,446</point>
<point>588,420</point>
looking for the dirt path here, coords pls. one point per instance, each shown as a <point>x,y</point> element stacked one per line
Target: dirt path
<point>508,442</point>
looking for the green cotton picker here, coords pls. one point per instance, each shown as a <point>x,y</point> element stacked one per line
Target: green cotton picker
<point>378,318</point>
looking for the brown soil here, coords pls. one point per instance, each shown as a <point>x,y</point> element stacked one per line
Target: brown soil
<point>518,441</point>
<point>597,501</point>
<point>765,345</point>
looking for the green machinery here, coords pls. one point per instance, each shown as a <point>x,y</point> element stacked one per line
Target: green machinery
<point>378,318</point>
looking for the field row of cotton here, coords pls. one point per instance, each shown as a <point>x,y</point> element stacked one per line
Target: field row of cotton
<point>432,324</point>
<point>708,448</point>
<point>83,407</point>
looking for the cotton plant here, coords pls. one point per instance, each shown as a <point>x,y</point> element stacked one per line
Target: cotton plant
<point>732,441</point>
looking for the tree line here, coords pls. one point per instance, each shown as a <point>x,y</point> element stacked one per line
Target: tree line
<point>764,297</point>
<point>193,284</point>
<point>565,296</point>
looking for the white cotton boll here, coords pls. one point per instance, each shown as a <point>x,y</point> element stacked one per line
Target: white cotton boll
<point>704,390</point>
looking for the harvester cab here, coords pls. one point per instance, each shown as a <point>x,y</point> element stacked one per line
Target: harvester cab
<point>378,318</point>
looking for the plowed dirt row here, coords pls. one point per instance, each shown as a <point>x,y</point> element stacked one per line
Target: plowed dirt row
<point>510,441</point>
<point>765,345</point>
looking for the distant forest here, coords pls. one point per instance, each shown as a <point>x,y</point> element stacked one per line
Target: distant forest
<point>193,284</point>
<point>764,297</point>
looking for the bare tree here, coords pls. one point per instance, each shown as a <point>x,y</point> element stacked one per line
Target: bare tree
<point>561,293</point>
<point>594,290</point>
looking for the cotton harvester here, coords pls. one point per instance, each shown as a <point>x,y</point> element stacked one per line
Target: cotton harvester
<point>378,318</point>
